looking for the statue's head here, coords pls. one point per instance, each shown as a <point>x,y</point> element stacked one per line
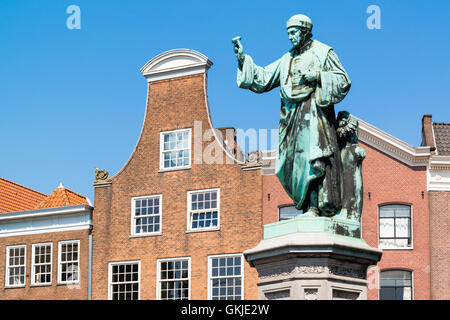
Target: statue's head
<point>299,29</point>
<point>347,129</point>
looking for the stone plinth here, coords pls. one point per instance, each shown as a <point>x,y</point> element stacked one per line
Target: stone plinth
<point>309,261</point>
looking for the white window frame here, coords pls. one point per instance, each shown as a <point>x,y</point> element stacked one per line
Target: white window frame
<point>396,269</point>
<point>158,274</point>
<point>133,217</point>
<point>286,206</point>
<point>7,285</point>
<point>33,264</point>
<point>189,211</point>
<point>110,284</point>
<point>210,278</point>
<point>161,150</point>
<point>60,243</point>
<point>380,246</point>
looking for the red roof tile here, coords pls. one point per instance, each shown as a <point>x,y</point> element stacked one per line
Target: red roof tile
<point>14,197</point>
<point>62,197</point>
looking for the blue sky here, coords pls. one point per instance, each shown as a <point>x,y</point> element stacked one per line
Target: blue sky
<point>74,100</point>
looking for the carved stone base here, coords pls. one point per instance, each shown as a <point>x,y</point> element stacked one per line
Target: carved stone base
<point>312,266</point>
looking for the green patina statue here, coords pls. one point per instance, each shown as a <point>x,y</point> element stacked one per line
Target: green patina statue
<point>310,165</point>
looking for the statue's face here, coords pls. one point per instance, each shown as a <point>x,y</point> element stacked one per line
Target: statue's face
<point>296,36</point>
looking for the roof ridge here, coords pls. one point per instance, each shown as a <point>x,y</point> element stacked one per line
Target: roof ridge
<point>75,193</point>
<point>14,183</point>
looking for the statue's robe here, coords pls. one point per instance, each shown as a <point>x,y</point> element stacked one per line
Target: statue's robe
<point>308,154</point>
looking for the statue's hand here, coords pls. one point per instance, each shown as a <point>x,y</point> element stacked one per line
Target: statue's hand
<point>239,50</point>
<point>360,153</point>
<point>311,77</point>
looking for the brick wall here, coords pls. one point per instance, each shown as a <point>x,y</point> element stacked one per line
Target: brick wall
<point>391,181</point>
<point>274,197</point>
<point>440,246</point>
<point>54,291</point>
<point>175,104</point>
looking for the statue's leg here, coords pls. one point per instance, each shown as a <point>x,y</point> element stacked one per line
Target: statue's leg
<point>313,207</point>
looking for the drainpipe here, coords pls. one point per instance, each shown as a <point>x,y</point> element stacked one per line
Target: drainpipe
<point>90,265</point>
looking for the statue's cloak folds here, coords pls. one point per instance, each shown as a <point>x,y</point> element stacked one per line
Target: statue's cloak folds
<point>308,152</point>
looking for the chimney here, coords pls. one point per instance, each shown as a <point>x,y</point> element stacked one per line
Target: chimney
<point>427,132</point>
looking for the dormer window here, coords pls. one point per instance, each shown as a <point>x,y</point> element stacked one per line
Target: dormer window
<point>175,149</point>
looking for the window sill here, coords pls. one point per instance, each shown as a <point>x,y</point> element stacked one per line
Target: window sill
<point>15,287</point>
<point>395,249</point>
<point>40,285</point>
<point>145,235</point>
<point>161,170</point>
<point>68,283</point>
<point>203,230</point>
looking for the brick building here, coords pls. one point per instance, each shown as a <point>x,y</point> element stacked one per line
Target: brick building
<point>405,212</point>
<point>44,243</point>
<point>437,135</point>
<point>174,222</point>
<point>147,223</point>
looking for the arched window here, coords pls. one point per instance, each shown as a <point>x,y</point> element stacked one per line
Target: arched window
<point>396,285</point>
<point>395,226</point>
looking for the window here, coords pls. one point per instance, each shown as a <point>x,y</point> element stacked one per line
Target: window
<point>175,149</point>
<point>395,226</point>
<point>15,266</point>
<point>69,265</point>
<point>41,264</point>
<point>395,285</point>
<point>225,277</point>
<point>173,279</point>
<point>203,209</point>
<point>289,212</point>
<point>124,280</point>
<point>146,215</point>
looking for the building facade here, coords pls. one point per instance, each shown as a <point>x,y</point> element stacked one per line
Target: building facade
<point>405,211</point>
<point>437,135</point>
<point>174,222</point>
<point>44,244</point>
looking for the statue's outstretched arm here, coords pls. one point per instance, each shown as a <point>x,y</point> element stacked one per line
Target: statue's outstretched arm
<point>256,78</point>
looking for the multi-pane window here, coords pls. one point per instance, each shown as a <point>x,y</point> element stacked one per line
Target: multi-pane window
<point>225,277</point>
<point>175,149</point>
<point>288,212</point>
<point>173,279</point>
<point>41,265</point>
<point>124,280</point>
<point>69,263</point>
<point>395,226</point>
<point>146,215</point>
<point>15,265</point>
<point>203,207</point>
<point>396,285</point>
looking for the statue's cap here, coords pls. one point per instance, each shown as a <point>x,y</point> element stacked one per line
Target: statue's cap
<point>299,20</point>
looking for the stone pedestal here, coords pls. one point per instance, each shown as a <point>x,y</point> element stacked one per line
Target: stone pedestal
<point>306,259</point>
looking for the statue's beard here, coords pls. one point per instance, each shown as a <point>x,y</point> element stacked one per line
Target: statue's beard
<point>303,41</point>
